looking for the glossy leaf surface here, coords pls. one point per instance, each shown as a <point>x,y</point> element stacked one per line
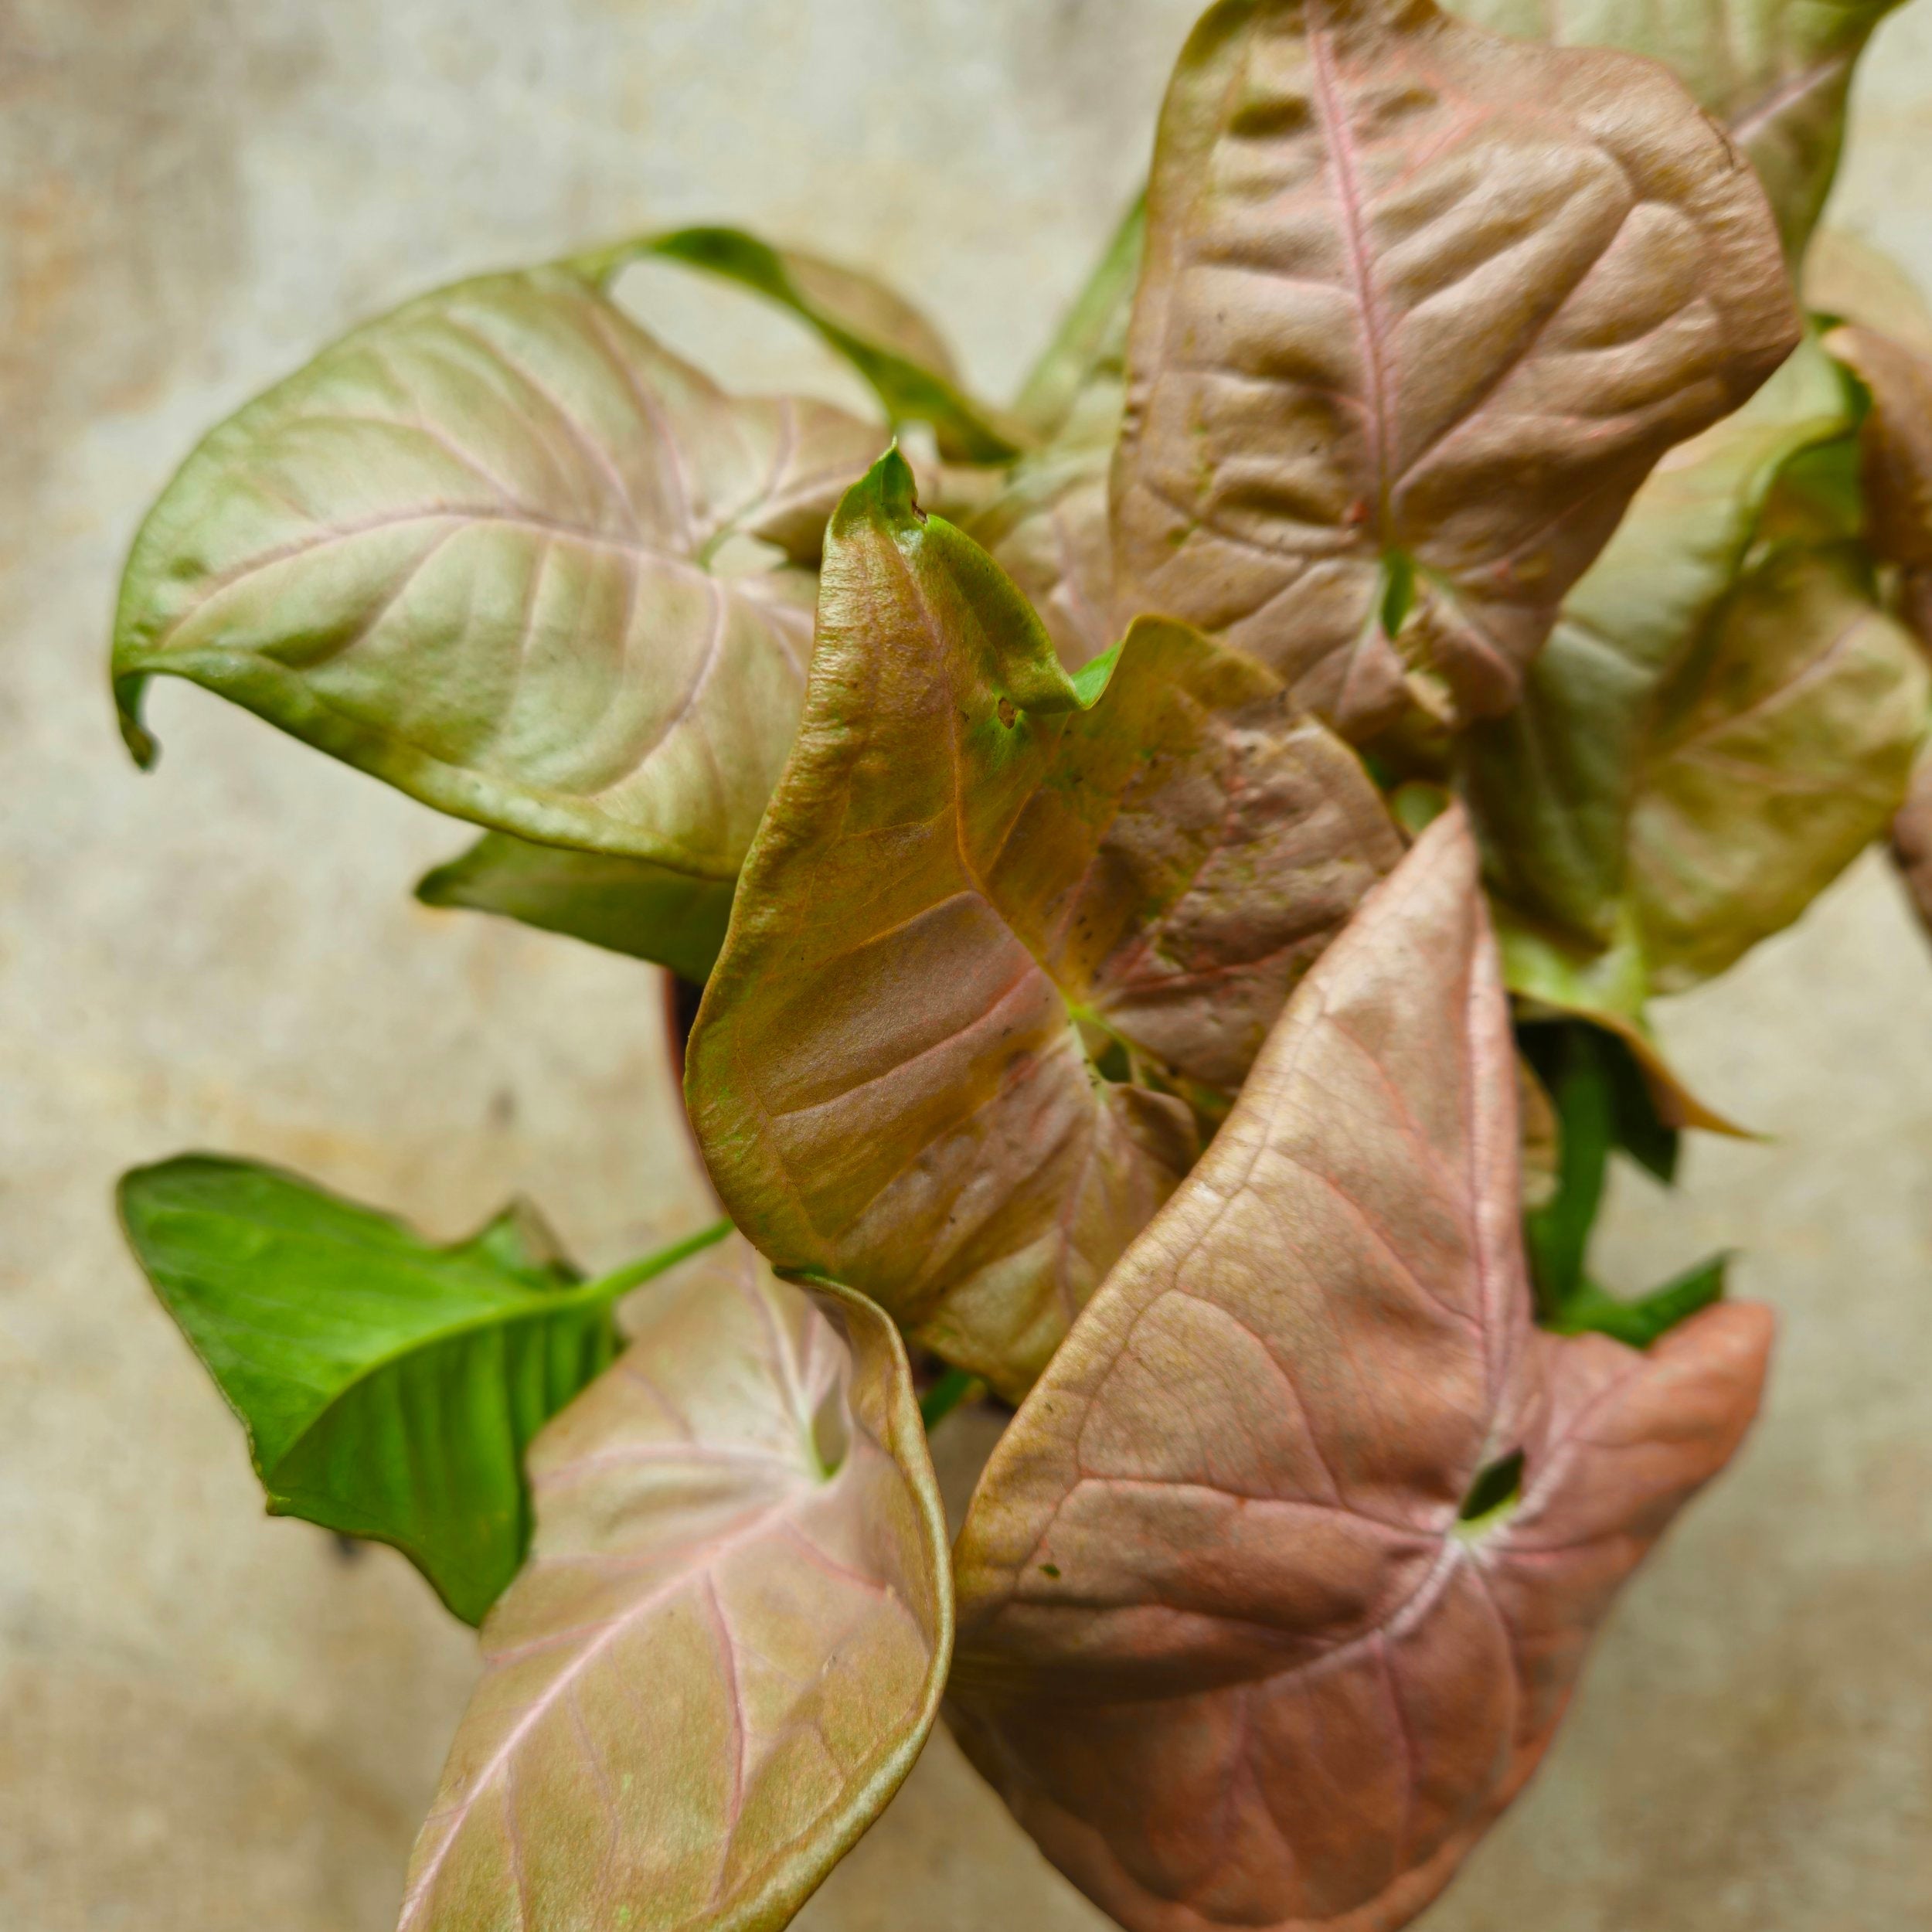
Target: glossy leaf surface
<point>882,335</point>
<point>1422,307</point>
<point>388,1387</point>
<point>490,548</point>
<point>730,1640</point>
<point>1786,752</point>
<point>624,905</point>
<point>1775,73</point>
<point>1274,1592</point>
<point>1551,786</point>
<point>977,875</point>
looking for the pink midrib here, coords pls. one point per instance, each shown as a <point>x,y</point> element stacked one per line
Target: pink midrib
<point>1348,196</point>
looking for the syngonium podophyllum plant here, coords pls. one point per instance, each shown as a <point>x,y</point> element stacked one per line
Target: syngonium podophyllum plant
<point>1176,867</point>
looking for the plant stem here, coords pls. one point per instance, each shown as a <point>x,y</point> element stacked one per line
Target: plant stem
<point>634,1274</point>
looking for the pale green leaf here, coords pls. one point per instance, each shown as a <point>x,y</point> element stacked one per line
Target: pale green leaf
<point>732,1636</point>
<point>502,549</point>
<point>1785,750</point>
<point>1775,73</point>
<point>624,905</point>
<point>1550,787</point>
<point>887,340</point>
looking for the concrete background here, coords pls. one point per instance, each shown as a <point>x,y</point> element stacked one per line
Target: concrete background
<point>211,1721</point>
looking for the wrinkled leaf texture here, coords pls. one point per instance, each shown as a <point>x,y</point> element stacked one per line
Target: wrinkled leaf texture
<point>976,872</point>
<point>1775,73</point>
<point>388,1387</point>
<point>1422,307</point>
<point>1227,1645</point>
<point>492,547</point>
<point>732,1636</point>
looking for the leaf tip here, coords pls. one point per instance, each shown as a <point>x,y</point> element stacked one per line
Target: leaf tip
<point>142,745</point>
<point>887,494</point>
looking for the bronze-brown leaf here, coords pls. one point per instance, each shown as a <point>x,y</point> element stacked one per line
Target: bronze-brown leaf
<point>1422,307</point>
<point>1273,1595</point>
<point>984,886</point>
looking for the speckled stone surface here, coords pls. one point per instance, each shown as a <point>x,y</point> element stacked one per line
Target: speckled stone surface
<point>213,1722</point>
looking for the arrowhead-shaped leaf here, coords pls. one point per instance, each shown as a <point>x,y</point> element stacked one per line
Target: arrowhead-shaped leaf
<point>485,548</point>
<point>1551,786</point>
<point>1272,1596</point>
<point>882,335</point>
<point>388,1387</point>
<point>1421,309</point>
<point>731,1639</point>
<point>1784,752</point>
<point>974,872</point>
<point>624,905</point>
<point>1774,73</point>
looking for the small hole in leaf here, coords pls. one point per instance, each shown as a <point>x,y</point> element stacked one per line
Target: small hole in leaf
<point>1498,1488</point>
<point>1050,1570</point>
<point>1009,716</point>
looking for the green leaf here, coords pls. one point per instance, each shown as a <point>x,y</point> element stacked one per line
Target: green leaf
<point>624,905</point>
<point>1552,785</point>
<point>1776,73</point>
<point>388,1387</point>
<point>731,1640</point>
<point>887,340</point>
<point>977,873</point>
<point>1783,750</point>
<point>1608,986</point>
<point>1558,1236</point>
<point>1643,1323</point>
<point>502,550</point>
<point>1604,1103</point>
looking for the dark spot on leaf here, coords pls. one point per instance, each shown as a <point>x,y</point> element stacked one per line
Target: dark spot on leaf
<point>1498,1486</point>
<point>1050,1570</point>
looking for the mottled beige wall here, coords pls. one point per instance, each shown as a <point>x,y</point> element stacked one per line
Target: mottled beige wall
<point>211,1722</point>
